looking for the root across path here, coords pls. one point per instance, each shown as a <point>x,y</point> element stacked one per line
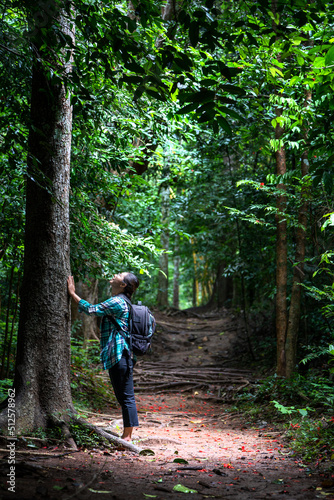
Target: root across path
<point>192,440</point>
<point>190,446</point>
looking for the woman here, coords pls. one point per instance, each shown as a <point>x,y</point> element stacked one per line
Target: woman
<point>115,350</point>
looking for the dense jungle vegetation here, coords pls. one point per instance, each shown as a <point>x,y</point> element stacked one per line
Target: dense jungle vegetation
<point>199,138</point>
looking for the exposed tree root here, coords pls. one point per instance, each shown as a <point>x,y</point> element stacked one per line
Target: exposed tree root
<point>109,437</point>
<point>69,441</point>
<point>159,377</point>
<point>39,453</point>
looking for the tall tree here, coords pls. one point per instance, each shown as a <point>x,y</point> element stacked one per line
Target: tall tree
<point>298,270</point>
<point>42,375</point>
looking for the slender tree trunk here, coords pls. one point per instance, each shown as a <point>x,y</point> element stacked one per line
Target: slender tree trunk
<point>298,271</point>
<point>281,256</point>
<point>42,376</point>
<point>162,299</point>
<point>195,279</point>
<point>281,237</point>
<point>221,288</point>
<point>169,10</point>
<point>176,280</point>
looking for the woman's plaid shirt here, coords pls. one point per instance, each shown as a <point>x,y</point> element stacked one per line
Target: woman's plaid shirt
<point>112,343</point>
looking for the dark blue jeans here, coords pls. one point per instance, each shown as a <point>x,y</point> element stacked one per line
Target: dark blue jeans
<point>121,376</point>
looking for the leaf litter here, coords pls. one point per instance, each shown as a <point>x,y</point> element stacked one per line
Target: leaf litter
<point>197,445</point>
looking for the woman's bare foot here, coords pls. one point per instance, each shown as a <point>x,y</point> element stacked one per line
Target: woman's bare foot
<point>127,433</point>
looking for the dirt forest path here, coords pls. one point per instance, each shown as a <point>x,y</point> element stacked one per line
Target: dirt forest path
<point>195,444</point>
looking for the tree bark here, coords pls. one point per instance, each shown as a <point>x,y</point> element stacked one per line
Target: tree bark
<point>281,256</point>
<point>162,299</point>
<point>221,290</point>
<point>281,238</point>
<point>195,279</point>
<point>298,274</point>
<point>42,375</point>
<point>169,10</point>
<point>176,277</point>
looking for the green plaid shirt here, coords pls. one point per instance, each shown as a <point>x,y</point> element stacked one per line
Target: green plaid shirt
<point>112,343</point>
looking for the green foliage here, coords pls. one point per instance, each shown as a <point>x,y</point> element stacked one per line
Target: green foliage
<point>312,439</point>
<point>84,437</point>
<point>191,103</point>
<point>302,405</point>
<point>90,388</point>
<point>288,410</point>
<point>290,395</point>
<point>5,384</point>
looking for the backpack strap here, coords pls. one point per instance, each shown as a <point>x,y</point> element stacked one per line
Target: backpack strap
<point>118,328</point>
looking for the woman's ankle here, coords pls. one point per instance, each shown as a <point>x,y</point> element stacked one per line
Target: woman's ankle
<point>127,433</point>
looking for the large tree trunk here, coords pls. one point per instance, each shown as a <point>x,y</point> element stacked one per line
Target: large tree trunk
<point>298,270</point>
<point>42,376</point>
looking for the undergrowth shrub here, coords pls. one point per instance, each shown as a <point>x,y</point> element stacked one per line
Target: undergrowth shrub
<point>303,405</point>
<point>91,388</point>
<point>313,439</point>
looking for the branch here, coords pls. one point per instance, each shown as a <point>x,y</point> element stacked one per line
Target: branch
<point>11,50</point>
<point>109,437</point>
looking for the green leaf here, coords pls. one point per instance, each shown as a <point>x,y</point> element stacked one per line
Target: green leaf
<point>295,79</point>
<point>133,66</point>
<point>194,33</point>
<point>319,62</point>
<point>329,58</point>
<point>330,160</point>
<point>226,71</point>
<point>327,180</point>
<point>233,89</point>
<point>208,106</point>
<point>183,489</point>
<point>153,93</point>
<point>99,491</point>
<point>186,109</point>
<point>202,96</point>
<point>252,39</point>
<point>180,461</point>
<point>146,452</point>
<point>224,124</point>
<point>138,92</point>
<point>300,60</point>
<point>206,117</point>
<point>232,113</point>
<point>208,82</point>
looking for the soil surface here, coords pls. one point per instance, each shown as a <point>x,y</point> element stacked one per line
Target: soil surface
<point>196,441</point>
